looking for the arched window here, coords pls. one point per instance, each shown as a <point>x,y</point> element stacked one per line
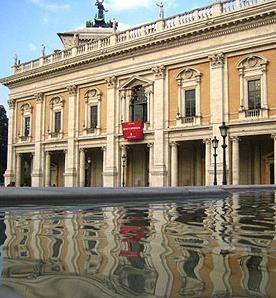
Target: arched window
<point>26,124</point>
<point>138,104</point>
<point>92,120</point>
<point>56,125</point>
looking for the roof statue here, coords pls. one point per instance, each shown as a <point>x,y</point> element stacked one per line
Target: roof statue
<point>99,20</point>
<point>161,10</point>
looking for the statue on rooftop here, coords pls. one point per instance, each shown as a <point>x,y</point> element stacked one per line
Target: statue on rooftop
<point>15,59</point>
<point>161,10</point>
<point>101,10</point>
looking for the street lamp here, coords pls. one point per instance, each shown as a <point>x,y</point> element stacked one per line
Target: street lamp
<point>124,159</point>
<point>215,142</point>
<point>223,131</point>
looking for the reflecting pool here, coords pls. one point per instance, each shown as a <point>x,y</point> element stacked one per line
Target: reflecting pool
<point>195,248</point>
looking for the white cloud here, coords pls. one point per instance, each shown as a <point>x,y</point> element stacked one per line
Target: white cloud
<point>50,6</point>
<point>32,47</point>
<point>128,4</point>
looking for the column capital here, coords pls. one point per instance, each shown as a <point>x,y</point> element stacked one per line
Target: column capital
<point>235,139</point>
<point>111,82</point>
<point>159,71</point>
<point>174,144</point>
<point>11,103</point>
<point>273,136</point>
<point>149,145</point>
<point>103,148</point>
<point>83,150</point>
<point>72,89</point>
<point>39,97</point>
<point>207,141</point>
<point>217,60</point>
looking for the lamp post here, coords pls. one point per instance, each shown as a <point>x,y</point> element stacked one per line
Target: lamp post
<point>124,159</point>
<point>89,161</point>
<point>215,142</point>
<point>223,131</point>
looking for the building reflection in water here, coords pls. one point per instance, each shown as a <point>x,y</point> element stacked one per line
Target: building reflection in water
<point>211,248</point>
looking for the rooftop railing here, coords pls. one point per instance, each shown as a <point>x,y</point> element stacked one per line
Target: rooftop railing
<point>204,13</point>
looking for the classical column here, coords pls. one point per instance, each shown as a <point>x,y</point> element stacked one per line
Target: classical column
<point>236,160</point>
<point>198,166</point>
<point>18,170</point>
<point>37,159</point>
<point>71,173</point>
<point>123,166</point>
<point>47,169</point>
<point>159,172</point>
<point>217,79</point>
<point>150,146</point>
<point>257,164</point>
<point>208,152</point>
<point>82,167</point>
<point>110,171</point>
<point>9,174</point>
<point>274,141</point>
<point>174,164</point>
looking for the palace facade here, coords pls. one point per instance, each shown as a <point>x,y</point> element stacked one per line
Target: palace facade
<point>140,107</point>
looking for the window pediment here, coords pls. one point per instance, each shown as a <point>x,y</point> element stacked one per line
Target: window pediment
<point>93,95</point>
<point>57,101</point>
<point>135,81</point>
<point>252,62</point>
<point>26,108</point>
<point>188,74</point>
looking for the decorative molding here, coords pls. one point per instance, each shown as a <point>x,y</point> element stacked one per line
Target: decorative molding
<point>72,89</point>
<point>26,108</point>
<point>111,82</point>
<point>159,72</point>
<point>217,60</point>
<point>39,97</point>
<point>57,101</point>
<point>174,144</point>
<point>235,139</point>
<point>207,141</point>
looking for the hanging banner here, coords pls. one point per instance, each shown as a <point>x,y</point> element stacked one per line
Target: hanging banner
<point>133,130</point>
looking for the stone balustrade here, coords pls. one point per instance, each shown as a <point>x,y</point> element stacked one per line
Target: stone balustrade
<point>218,8</point>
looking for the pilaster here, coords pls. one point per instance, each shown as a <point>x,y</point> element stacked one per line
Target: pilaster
<point>208,153</point>
<point>174,164</point>
<point>18,170</point>
<point>159,172</point>
<point>110,171</point>
<point>70,170</point>
<point>217,62</point>
<point>37,161</point>
<point>235,160</point>
<point>9,174</point>
<point>82,168</point>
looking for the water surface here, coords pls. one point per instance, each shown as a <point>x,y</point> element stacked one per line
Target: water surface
<point>199,248</point>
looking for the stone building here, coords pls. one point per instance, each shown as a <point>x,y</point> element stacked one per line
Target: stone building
<point>169,83</point>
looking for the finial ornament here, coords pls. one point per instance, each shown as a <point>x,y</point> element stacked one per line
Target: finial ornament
<point>161,10</point>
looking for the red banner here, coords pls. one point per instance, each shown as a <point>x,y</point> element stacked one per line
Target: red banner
<point>133,130</point>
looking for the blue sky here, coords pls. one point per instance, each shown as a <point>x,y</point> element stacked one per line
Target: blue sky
<point>26,24</point>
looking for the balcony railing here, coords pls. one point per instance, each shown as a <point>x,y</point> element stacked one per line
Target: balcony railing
<point>255,113</point>
<point>204,13</point>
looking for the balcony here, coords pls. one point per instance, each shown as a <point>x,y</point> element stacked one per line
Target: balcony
<point>187,121</point>
<point>253,114</point>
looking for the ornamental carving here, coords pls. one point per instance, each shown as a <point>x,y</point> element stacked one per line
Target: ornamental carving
<point>39,97</point>
<point>72,89</point>
<point>11,103</point>
<point>159,71</point>
<point>111,82</point>
<point>217,60</point>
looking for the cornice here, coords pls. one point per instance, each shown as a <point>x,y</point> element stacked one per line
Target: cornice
<point>216,27</point>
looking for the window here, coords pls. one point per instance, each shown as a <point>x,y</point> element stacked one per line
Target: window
<point>138,105</point>
<point>254,94</point>
<point>253,87</point>
<point>56,105</point>
<point>190,103</point>
<point>57,122</point>
<point>92,111</point>
<point>27,126</point>
<point>189,85</point>
<point>93,117</point>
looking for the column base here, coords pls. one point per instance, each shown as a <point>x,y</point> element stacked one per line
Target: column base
<point>9,177</point>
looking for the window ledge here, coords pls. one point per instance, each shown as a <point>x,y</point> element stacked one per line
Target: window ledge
<point>55,135</point>
<point>25,139</point>
<point>92,131</point>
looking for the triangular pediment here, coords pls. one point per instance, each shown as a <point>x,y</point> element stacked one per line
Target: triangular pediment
<point>134,81</point>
